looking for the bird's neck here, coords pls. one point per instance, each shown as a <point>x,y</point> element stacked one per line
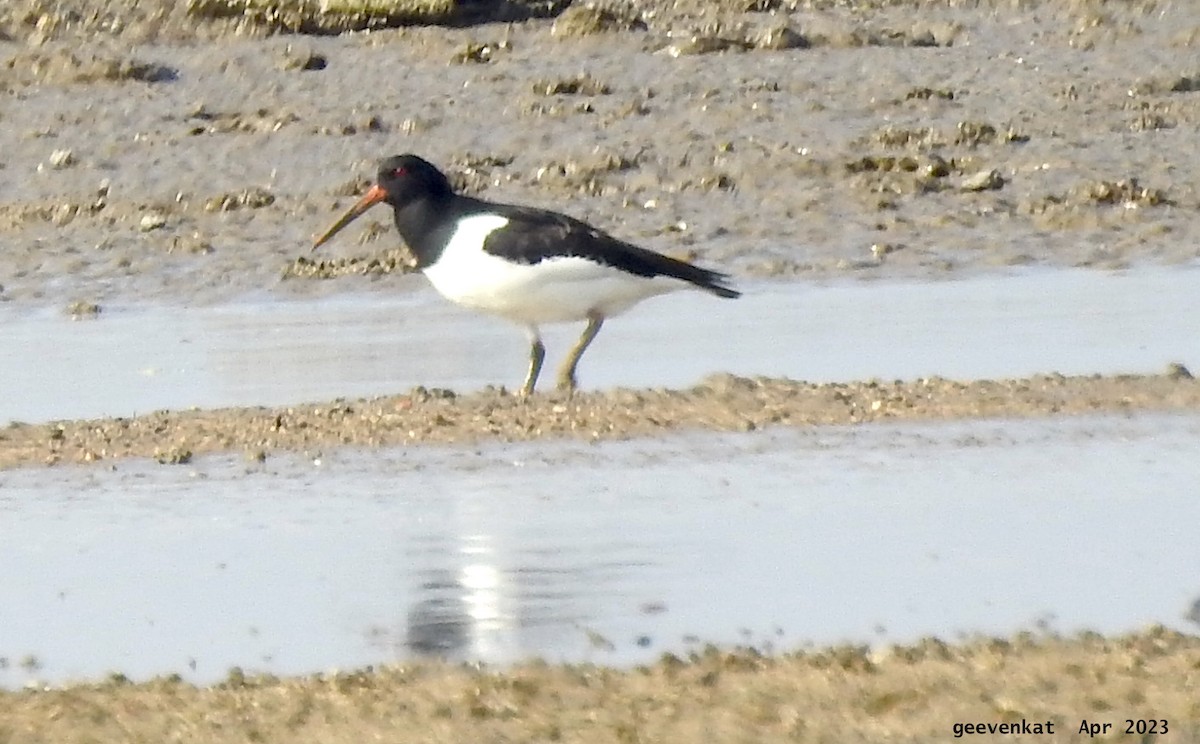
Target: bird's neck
<point>422,224</point>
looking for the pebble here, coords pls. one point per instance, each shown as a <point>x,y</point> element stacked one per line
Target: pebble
<point>985,180</point>
<point>152,221</point>
<point>58,160</point>
<point>62,159</point>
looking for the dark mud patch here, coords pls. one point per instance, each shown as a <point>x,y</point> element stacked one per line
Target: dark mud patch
<point>342,16</point>
<point>82,67</point>
<point>39,21</point>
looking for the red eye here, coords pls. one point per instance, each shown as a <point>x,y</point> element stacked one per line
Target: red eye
<point>400,171</point>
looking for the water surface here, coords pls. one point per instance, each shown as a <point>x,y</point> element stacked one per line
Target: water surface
<point>613,552</point>
<point>139,359</point>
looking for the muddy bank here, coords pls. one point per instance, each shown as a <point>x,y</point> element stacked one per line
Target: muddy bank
<point>845,694</point>
<point>179,152</point>
<point>723,402</point>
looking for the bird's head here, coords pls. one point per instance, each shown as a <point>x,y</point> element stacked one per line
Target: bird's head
<point>402,180</point>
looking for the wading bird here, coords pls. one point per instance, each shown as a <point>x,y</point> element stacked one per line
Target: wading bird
<point>530,266</point>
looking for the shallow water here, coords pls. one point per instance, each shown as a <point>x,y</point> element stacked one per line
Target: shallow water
<point>613,553</point>
<point>138,359</point>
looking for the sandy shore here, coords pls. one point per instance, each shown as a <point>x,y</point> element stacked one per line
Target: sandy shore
<point>154,153</point>
<point>723,403</point>
<point>914,693</point>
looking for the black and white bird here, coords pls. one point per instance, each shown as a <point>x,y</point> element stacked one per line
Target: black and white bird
<point>530,266</point>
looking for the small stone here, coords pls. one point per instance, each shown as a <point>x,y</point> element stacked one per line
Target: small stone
<point>937,167</point>
<point>302,58</point>
<point>480,53</point>
<point>780,37</point>
<point>60,159</point>
<point>580,19</point>
<point>988,180</point>
<point>64,214</point>
<point>83,310</point>
<point>698,44</point>
<point>152,221</point>
<point>879,250</point>
<point>924,38</point>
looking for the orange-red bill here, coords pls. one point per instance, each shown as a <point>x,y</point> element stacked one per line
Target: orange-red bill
<point>373,196</point>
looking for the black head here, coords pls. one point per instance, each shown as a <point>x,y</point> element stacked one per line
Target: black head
<point>407,178</point>
<point>402,180</point>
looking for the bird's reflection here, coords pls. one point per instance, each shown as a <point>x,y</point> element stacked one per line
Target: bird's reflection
<point>439,625</point>
<point>468,612</point>
<point>467,606</point>
<point>473,601</point>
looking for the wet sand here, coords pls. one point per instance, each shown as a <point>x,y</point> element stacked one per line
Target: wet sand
<point>723,403</point>
<point>156,155</point>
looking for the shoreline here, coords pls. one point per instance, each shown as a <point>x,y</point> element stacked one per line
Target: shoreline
<point>720,403</point>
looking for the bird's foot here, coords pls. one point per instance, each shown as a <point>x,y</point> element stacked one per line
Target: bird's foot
<point>537,354</point>
<point>567,384</point>
<point>527,388</point>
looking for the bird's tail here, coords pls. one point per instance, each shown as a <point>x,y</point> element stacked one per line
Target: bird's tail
<point>648,263</point>
<point>712,281</point>
<point>718,284</point>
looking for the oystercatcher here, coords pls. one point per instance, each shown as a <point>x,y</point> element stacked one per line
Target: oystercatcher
<point>530,266</point>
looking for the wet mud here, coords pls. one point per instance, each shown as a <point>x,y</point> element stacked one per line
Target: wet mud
<point>188,152</point>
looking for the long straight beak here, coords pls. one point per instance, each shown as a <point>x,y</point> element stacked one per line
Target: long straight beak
<point>373,196</point>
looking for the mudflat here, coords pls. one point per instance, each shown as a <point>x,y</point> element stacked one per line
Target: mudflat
<point>167,152</point>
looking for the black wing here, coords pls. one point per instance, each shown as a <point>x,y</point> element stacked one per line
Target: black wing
<point>533,235</point>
